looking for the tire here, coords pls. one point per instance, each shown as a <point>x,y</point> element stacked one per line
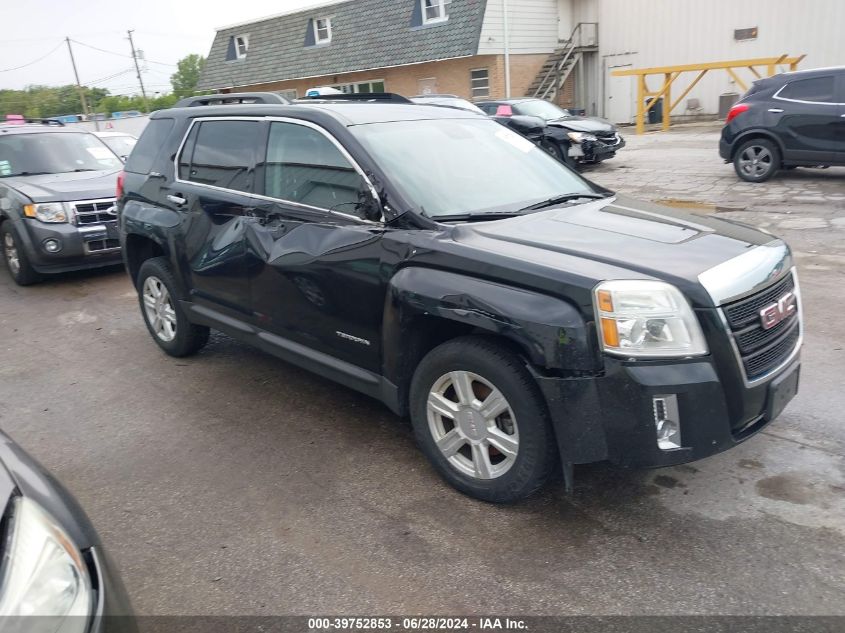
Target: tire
<point>557,151</point>
<point>472,461</point>
<point>757,160</point>
<point>158,296</point>
<point>15,258</point>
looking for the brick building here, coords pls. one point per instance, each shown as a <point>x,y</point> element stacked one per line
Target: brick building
<point>404,46</point>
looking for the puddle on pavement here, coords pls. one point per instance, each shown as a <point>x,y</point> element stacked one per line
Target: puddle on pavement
<point>767,476</point>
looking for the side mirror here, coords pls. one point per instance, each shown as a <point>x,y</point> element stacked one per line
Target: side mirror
<point>368,207</point>
<point>526,125</point>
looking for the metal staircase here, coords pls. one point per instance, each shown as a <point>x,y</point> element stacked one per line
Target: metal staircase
<point>562,62</point>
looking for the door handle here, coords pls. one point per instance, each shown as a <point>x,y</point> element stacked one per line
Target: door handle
<point>179,200</point>
<point>776,110</point>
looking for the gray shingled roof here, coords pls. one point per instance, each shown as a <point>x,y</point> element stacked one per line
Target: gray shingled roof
<point>365,34</point>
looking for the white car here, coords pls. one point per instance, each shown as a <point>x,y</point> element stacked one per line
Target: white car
<point>120,143</point>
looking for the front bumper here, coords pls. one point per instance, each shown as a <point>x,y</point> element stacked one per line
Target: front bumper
<point>611,418</point>
<point>597,151</point>
<point>82,247</point>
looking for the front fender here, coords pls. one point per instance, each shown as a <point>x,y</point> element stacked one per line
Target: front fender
<point>549,331</point>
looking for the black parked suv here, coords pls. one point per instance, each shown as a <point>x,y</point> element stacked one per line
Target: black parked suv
<point>57,208</point>
<point>524,318</point>
<point>786,121</point>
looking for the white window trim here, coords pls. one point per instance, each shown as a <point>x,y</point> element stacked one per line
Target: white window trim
<point>244,37</point>
<point>328,21</point>
<point>357,83</point>
<point>443,17</point>
<point>472,87</point>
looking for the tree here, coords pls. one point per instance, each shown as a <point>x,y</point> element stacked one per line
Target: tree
<point>187,75</point>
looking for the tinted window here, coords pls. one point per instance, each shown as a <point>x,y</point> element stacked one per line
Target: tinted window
<point>304,166</point>
<point>223,154</point>
<point>819,89</point>
<point>148,146</point>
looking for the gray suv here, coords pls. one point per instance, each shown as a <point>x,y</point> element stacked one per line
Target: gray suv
<point>57,193</point>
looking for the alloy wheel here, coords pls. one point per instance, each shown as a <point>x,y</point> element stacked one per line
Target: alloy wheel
<point>473,425</point>
<point>11,251</point>
<point>159,309</point>
<point>756,161</point>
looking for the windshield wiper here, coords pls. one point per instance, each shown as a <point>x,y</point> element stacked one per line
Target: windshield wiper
<point>475,217</point>
<point>567,197</point>
<point>27,173</point>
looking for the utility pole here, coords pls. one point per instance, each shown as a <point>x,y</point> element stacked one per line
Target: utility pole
<point>138,70</point>
<point>79,85</point>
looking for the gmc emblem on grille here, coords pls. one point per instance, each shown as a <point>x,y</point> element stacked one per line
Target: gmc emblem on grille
<point>786,306</point>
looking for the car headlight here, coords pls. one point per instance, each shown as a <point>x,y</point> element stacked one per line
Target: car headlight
<point>43,572</point>
<point>577,137</point>
<point>643,318</point>
<point>52,212</point>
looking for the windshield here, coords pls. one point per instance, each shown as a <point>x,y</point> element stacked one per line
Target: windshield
<point>466,166</point>
<point>54,153</point>
<point>542,109</point>
<point>120,145</point>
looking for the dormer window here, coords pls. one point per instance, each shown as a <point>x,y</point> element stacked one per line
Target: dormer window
<point>323,30</point>
<point>434,11</point>
<point>241,46</point>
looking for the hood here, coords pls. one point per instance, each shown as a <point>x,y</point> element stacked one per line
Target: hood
<point>583,124</point>
<point>626,237</point>
<point>85,185</point>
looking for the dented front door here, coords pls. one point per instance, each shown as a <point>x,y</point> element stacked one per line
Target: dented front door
<point>314,266</point>
<point>316,280</point>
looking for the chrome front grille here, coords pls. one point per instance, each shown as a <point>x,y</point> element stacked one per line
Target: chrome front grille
<point>762,351</point>
<point>94,211</point>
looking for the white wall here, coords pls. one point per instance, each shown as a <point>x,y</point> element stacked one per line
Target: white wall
<point>533,27</point>
<point>648,33</point>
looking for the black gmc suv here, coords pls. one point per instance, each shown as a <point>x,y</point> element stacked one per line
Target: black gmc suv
<point>56,200</point>
<point>786,121</point>
<point>524,318</point>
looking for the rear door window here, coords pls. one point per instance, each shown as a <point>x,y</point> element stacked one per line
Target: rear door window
<point>815,89</point>
<point>146,150</point>
<point>221,154</point>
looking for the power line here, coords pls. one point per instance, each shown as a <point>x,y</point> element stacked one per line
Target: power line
<point>102,50</point>
<point>58,46</point>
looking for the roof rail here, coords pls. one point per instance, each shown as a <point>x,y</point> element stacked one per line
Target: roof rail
<point>259,98</point>
<point>13,120</point>
<point>436,96</point>
<point>363,97</point>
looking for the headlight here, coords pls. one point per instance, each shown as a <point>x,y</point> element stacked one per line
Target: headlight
<point>47,212</point>
<point>648,319</point>
<point>43,573</point>
<point>577,137</point>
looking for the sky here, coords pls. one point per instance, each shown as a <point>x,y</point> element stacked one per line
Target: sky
<point>165,30</point>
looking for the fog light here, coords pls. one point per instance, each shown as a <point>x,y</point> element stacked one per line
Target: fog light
<point>667,422</point>
<point>52,246</point>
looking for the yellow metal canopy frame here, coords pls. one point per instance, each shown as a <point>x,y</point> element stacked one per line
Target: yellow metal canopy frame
<point>768,65</point>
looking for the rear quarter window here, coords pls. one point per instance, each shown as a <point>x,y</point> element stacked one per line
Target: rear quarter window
<point>815,89</point>
<point>146,150</point>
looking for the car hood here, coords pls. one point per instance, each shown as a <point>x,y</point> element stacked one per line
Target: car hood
<point>620,237</point>
<point>85,185</point>
<point>583,124</point>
